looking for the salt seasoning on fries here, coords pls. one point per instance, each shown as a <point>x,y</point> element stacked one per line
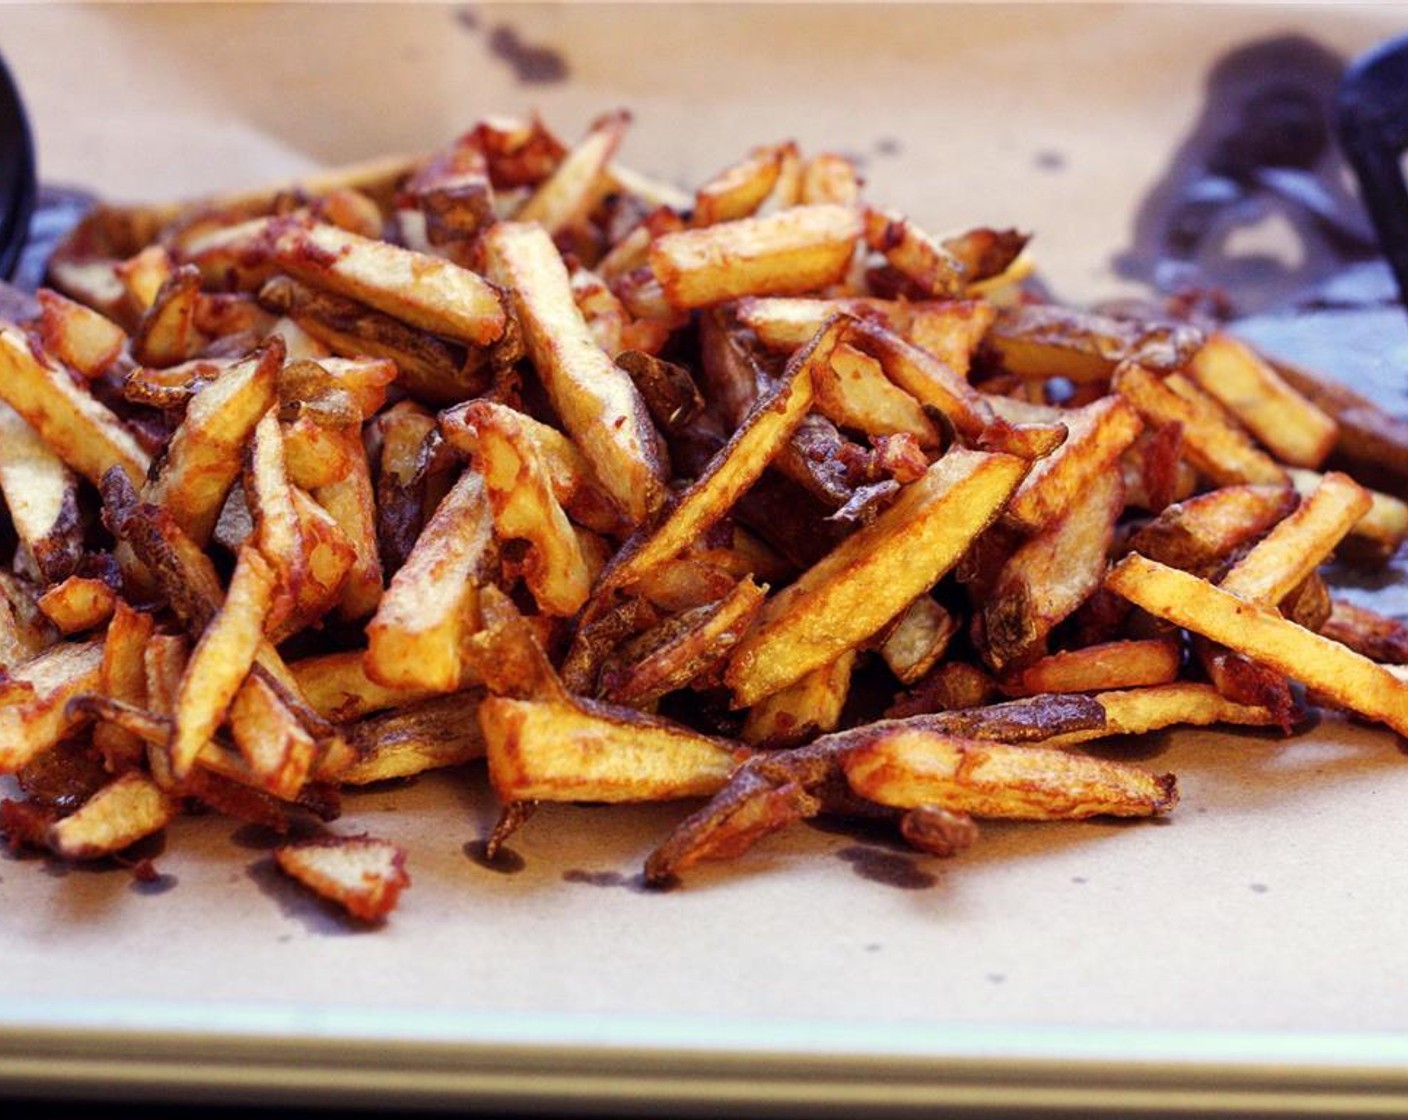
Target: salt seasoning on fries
<point>510,459</point>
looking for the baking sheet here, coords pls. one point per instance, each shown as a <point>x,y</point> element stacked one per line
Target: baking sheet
<point>1248,952</point>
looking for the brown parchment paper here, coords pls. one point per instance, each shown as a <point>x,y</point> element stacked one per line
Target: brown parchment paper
<point>1272,900</point>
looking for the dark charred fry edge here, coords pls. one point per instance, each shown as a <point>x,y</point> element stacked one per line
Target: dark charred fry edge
<point>770,791</point>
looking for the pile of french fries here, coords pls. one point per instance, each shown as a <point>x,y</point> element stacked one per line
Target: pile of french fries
<point>764,496</point>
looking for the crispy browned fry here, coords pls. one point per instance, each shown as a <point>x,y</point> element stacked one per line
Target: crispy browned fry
<point>431,368</point>
<point>221,660</point>
<point>1155,472</point>
<point>597,403</point>
<point>950,687</point>
<point>1377,535</point>
<point>740,189</point>
<point>586,751</point>
<point>337,686</point>
<point>910,768</point>
<point>1049,576</point>
<point>732,470</point>
<point>278,533</point>
<point>437,732</point>
<point>1365,631</point>
<point>1291,427</point>
<point>1096,435</point>
<point>928,264</point>
<point>918,639</point>
<point>774,789</point>
<point>524,508</point>
<point>680,649</point>
<point>401,476</point>
<point>78,603</point>
<point>125,810</point>
<point>203,459</point>
<point>122,676</point>
<point>924,377</point>
<point>1212,442</point>
<point>874,574</point>
<point>1263,635</point>
<point>1131,663</point>
<point>168,333</point>
<point>363,875</point>
<point>1244,681</point>
<point>77,427</point>
<point>573,482</point>
<point>329,558</point>
<point>142,276</point>
<point>352,503</point>
<point>853,391</point>
<point>41,495</point>
<point>578,181</point>
<point>271,739</point>
<point>1137,711</point>
<point>83,339</point>
<point>804,709</point>
<point>1299,543</point>
<point>415,639</point>
<point>1201,533</point>
<point>1049,340</point>
<point>314,456</point>
<point>787,253</point>
<point>428,292</point>
<point>24,631</point>
<point>34,699</point>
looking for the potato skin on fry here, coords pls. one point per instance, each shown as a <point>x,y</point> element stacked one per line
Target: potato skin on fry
<point>912,769</point>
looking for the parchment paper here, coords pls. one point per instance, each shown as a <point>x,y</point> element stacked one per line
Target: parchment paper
<point>1273,899</point>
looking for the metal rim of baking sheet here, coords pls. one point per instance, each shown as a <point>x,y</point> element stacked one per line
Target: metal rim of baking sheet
<point>195,1053</point>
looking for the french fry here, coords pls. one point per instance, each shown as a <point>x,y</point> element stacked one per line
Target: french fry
<point>278,533</point>
<point>1049,340</point>
<point>579,180</point>
<point>1377,535</point>
<point>919,639</point>
<point>867,580</point>
<point>1137,711</point>
<point>435,733</point>
<point>853,391</point>
<point>1351,679</point>
<point>806,708</point>
<point>739,190</point>
<point>77,427</point>
<point>556,751</point>
<point>415,638</point>
<point>1200,533</point>
<point>909,769</point>
<point>78,603</point>
<point>786,253</point>
<point>221,660</point>
<point>599,407</point>
<point>203,459</point>
<point>1131,663</point>
<point>122,676</point>
<point>84,340</point>
<point>352,503</point>
<point>124,811</point>
<point>34,699</point>
<point>1290,426</point>
<point>363,875</point>
<point>41,495</point>
<point>925,262</point>
<point>168,333</point>
<point>1365,631</point>
<point>275,745</point>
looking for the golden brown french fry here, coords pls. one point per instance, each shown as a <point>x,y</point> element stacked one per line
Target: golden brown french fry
<point>562,751</point>
<point>77,427</point>
<point>337,686</point>
<point>1263,635</point>
<point>1213,444</point>
<point>579,181</point>
<point>1365,631</point>
<point>681,649</point>
<point>1137,711</point>
<point>597,403</point>
<point>314,456</point>
<point>274,744</point>
<point>806,708</point>
<point>740,189</point>
<point>415,639</point>
<point>1129,663</point>
<point>853,391</point>
<point>787,253</point>
<point>425,291</point>
<point>78,603</point>
<point>1378,534</point>
<point>203,458</point>
<point>83,339</point>
<point>910,768</point>
<point>874,574</point>
<point>363,875</point>
<point>168,333</point>
<point>125,810</point>
<point>919,639</point>
<point>1096,435</point>
<point>434,733</point>
<point>1200,533</point>
<point>1049,575</point>
<point>1299,543</point>
<point>924,261</point>
<point>41,495</point>
<point>1291,427</point>
<point>34,699</point>
<point>1050,340</point>
<point>122,676</point>
<point>221,660</point>
<point>329,558</point>
<point>278,533</point>
<point>352,503</point>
